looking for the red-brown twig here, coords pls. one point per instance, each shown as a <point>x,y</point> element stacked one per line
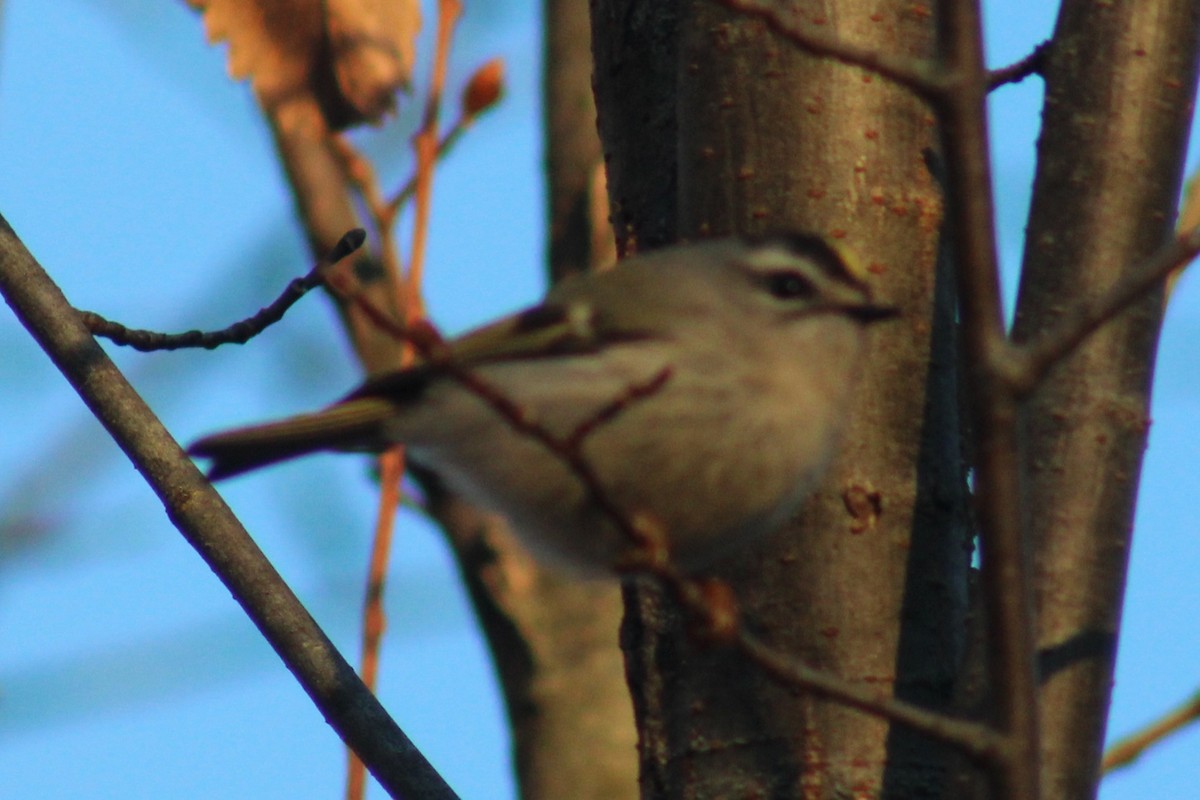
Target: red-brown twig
<point>714,618</point>
<point>976,740</point>
<point>716,621</point>
<point>408,191</point>
<point>920,75</point>
<point>481,93</point>
<point>615,407</point>
<point>391,471</point>
<point>425,143</point>
<point>568,448</point>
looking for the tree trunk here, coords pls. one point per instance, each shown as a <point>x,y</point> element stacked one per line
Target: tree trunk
<point>1104,198</point>
<point>712,124</point>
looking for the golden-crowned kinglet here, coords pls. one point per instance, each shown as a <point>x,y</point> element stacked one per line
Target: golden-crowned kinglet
<point>745,353</point>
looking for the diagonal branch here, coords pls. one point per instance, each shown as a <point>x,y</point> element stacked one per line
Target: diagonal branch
<point>1025,365</point>
<point>211,528</point>
<point>1032,64</point>
<point>650,557</point>
<point>975,739</point>
<point>239,332</point>
<point>1131,748</point>
<point>921,76</point>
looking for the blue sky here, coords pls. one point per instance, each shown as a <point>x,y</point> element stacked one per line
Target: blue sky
<point>129,161</point>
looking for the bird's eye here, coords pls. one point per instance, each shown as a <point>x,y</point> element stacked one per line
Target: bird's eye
<point>789,285</point>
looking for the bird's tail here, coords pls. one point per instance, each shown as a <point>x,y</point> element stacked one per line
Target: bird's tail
<point>349,425</point>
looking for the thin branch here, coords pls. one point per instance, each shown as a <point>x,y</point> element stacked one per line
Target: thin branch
<point>614,407</point>
<point>1129,749</point>
<point>714,617</point>
<point>409,190</point>
<point>239,332</point>
<point>411,307</point>
<point>425,144</point>
<point>919,75</point>
<point>429,344</point>
<point>1031,64</point>
<point>976,740</point>
<point>359,173</point>
<point>212,529</point>
<point>374,619</point>
<point>1023,366</point>
<point>482,92</point>
<point>1007,585</point>
<point>570,448</point>
<point>650,556</point>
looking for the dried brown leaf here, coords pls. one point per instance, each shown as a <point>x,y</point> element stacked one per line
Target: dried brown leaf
<point>343,58</point>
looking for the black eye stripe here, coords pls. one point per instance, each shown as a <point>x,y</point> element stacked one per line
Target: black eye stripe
<point>814,248</point>
<point>790,285</point>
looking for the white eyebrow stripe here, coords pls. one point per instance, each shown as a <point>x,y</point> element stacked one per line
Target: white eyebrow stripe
<point>777,256</point>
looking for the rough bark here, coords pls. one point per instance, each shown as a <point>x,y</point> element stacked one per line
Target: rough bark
<point>635,45</point>
<point>869,582</point>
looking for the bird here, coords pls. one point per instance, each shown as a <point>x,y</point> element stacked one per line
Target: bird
<point>698,389</point>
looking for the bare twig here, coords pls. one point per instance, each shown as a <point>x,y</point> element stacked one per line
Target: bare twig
<point>651,558</point>
<point>412,308</point>
<point>1129,749</point>
<point>374,619</point>
<point>1015,73</point>
<point>570,448</point>
<point>239,332</point>
<point>615,407</point>
<point>976,740</point>
<point>715,618</point>
<point>427,342</point>
<point>921,76</point>
<point>425,144</point>
<point>360,173</point>
<point>1023,366</point>
<point>1007,586</point>
<point>482,92</point>
<point>211,528</point>
<point>409,190</point>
